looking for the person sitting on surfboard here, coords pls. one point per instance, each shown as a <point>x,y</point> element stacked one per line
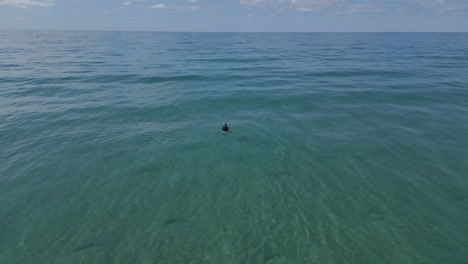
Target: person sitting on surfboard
<point>225,128</point>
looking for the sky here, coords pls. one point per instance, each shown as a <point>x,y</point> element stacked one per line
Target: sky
<point>237,15</point>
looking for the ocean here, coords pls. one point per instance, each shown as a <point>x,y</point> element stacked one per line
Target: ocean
<point>344,147</point>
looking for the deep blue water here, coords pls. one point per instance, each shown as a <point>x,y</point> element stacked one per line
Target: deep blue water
<point>344,148</point>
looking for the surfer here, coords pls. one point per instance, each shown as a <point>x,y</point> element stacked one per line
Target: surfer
<point>225,128</point>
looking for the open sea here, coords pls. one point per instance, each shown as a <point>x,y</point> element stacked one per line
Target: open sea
<point>344,147</point>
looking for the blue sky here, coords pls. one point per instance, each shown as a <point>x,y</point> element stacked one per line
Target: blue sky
<point>236,15</point>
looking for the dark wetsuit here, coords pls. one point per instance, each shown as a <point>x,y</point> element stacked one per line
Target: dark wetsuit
<point>225,128</point>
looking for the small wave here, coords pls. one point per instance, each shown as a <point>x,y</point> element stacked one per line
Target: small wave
<point>159,79</point>
<point>41,81</point>
<point>436,57</point>
<point>109,78</point>
<point>125,78</point>
<point>10,66</point>
<point>90,63</point>
<point>359,73</point>
<point>236,60</point>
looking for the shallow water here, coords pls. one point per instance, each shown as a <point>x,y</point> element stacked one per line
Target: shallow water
<point>345,148</point>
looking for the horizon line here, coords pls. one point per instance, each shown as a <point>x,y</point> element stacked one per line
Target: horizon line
<point>182,31</point>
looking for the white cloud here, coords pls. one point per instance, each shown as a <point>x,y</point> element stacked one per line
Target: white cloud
<point>27,3</point>
<point>313,5</point>
<point>190,8</point>
<point>362,6</point>
<point>159,6</point>
<point>191,1</point>
<point>252,2</point>
<point>127,3</point>
<point>444,6</point>
<point>297,5</point>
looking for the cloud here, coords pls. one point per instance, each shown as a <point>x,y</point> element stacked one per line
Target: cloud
<point>364,8</point>
<point>127,3</point>
<point>253,2</point>
<point>159,6</point>
<point>27,3</point>
<point>361,6</point>
<point>445,6</point>
<point>313,5</point>
<point>191,1</point>
<point>190,8</point>
<point>163,6</point>
<point>296,5</point>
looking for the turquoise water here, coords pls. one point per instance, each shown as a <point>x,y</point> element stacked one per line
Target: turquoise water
<point>345,148</point>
